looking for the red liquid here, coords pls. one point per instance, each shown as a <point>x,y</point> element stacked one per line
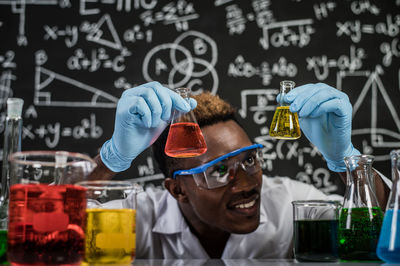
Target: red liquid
<point>185,140</point>
<point>46,224</point>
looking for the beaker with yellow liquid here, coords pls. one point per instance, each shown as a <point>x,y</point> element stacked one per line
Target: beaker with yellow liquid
<point>285,124</point>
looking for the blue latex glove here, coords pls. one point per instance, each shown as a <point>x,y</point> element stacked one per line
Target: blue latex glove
<point>325,115</point>
<point>142,114</point>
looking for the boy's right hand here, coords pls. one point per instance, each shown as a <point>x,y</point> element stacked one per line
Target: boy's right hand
<point>142,113</point>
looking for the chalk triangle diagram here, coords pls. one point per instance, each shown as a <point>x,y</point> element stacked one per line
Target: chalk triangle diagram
<point>373,111</point>
<point>53,89</point>
<point>105,34</point>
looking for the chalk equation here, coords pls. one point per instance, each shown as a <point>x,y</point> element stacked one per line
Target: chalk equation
<point>71,60</point>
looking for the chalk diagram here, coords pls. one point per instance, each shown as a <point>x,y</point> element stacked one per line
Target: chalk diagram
<point>98,32</point>
<point>189,61</point>
<point>51,87</point>
<point>375,139</point>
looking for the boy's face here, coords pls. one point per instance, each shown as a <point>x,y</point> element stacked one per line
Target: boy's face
<point>233,208</point>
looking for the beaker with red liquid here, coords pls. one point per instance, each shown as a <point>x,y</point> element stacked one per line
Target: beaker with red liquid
<point>46,210</point>
<point>185,138</point>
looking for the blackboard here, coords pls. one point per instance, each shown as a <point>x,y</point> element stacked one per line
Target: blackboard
<point>71,60</point>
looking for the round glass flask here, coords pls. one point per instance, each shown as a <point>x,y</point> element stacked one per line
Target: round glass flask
<point>285,124</point>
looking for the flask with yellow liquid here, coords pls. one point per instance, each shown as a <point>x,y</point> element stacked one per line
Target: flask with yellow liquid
<point>285,124</point>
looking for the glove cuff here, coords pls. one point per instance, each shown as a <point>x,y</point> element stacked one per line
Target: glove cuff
<point>340,166</point>
<point>111,159</point>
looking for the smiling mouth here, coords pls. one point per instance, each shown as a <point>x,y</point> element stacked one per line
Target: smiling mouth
<point>246,207</point>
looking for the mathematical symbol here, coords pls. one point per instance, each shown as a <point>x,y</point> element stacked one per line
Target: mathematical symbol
<point>294,38</point>
<point>26,132</point>
<point>250,16</point>
<point>108,64</point>
<point>292,150</point>
<point>342,28</point>
<point>158,16</point>
<point>160,65</point>
<point>85,63</point>
<point>367,29</point>
<point>66,132</point>
<point>41,131</point>
<point>51,32</point>
<point>332,63</point>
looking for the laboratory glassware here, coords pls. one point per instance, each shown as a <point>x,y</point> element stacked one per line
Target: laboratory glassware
<point>315,230</point>
<point>389,240</point>
<point>185,138</point>
<point>46,209</point>
<point>361,218</point>
<point>110,222</point>
<point>12,143</point>
<point>285,124</point>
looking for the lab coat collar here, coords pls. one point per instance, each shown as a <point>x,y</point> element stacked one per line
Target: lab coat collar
<point>169,217</point>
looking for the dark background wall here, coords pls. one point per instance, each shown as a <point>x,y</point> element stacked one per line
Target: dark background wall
<point>71,60</point>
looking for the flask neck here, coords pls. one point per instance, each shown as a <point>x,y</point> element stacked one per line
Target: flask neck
<point>183,92</point>
<point>285,87</point>
<point>394,197</point>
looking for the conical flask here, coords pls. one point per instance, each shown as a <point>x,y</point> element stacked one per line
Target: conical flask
<point>185,138</point>
<point>389,240</point>
<point>361,217</point>
<point>285,124</point>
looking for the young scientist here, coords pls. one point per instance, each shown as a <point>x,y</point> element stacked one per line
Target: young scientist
<point>219,205</point>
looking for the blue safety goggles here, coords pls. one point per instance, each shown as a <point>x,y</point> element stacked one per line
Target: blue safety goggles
<point>220,171</point>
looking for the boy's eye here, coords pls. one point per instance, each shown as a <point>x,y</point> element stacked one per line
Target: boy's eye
<point>250,161</point>
<point>219,171</point>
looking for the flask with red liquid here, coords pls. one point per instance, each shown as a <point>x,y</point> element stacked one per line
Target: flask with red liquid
<point>185,138</point>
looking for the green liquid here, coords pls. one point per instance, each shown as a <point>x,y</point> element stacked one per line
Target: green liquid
<point>359,233</point>
<point>316,240</point>
<point>3,246</point>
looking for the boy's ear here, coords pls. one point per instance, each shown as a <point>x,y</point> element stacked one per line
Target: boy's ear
<point>175,188</point>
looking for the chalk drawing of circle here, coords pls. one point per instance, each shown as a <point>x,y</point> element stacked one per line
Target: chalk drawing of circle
<point>188,62</point>
<point>207,65</point>
<point>204,37</point>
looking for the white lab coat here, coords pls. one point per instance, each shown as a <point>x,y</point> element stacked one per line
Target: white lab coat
<point>162,232</point>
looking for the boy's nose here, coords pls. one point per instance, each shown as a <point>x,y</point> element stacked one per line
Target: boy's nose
<point>243,181</point>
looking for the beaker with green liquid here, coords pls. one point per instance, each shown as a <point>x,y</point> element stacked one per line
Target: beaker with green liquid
<point>285,124</point>
<point>361,218</point>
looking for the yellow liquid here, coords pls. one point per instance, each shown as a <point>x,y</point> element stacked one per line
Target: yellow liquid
<point>110,236</point>
<point>285,124</point>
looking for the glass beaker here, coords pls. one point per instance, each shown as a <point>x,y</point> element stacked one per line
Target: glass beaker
<point>46,210</point>
<point>185,138</point>
<point>315,230</point>
<point>110,222</point>
<point>361,217</point>
<point>285,124</point>
<point>389,240</point>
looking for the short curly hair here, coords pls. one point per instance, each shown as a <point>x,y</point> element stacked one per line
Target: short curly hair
<point>210,110</point>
